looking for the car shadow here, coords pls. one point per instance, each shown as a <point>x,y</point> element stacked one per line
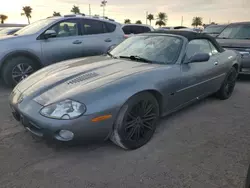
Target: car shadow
<point>73,146</point>
<point>244,78</point>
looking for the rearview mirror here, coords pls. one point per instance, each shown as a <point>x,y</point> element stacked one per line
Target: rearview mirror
<point>199,57</point>
<point>49,34</point>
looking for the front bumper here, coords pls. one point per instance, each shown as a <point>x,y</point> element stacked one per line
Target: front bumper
<point>27,113</point>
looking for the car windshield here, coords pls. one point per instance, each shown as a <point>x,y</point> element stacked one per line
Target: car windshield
<point>154,49</point>
<point>214,29</point>
<point>236,32</point>
<point>34,27</point>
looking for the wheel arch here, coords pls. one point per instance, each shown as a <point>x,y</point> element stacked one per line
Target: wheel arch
<point>20,53</point>
<point>236,66</point>
<point>158,96</point>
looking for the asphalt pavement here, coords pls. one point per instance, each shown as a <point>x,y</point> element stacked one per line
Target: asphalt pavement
<point>206,145</point>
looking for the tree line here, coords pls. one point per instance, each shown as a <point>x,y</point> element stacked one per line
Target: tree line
<point>161,17</point>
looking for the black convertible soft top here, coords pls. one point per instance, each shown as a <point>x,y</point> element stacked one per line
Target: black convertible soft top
<point>190,35</point>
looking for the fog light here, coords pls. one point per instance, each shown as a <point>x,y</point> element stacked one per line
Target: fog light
<point>66,135</point>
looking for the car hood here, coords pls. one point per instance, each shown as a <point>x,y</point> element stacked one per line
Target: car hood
<point>5,36</point>
<point>71,77</point>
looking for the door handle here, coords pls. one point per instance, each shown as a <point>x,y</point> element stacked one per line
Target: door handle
<point>77,42</point>
<point>216,63</point>
<point>107,40</point>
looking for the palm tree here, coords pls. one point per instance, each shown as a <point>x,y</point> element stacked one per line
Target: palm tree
<point>3,18</point>
<point>103,5</point>
<point>150,17</point>
<point>127,21</point>
<point>160,23</point>
<point>56,13</point>
<point>138,22</point>
<point>27,10</point>
<point>197,21</point>
<point>162,19</point>
<point>75,10</point>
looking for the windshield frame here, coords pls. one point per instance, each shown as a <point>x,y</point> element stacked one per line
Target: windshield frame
<point>178,55</point>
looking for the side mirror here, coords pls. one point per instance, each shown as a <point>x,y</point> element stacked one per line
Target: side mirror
<point>199,57</point>
<point>49,34</point>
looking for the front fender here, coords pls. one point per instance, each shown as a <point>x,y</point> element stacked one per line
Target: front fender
<point>111,97</point>
<point>8,55</point>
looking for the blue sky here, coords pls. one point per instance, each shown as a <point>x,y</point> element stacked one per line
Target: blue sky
<point>215,10</point>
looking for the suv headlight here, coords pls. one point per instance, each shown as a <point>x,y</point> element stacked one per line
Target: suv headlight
<point>67,109</point>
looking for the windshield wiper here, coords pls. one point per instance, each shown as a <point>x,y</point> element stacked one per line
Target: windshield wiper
<point>109,54</point>
<point>136,58</point>
<point>15,34</point>
<point>223,38</point>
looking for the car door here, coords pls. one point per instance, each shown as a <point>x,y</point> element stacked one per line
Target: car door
<point>66,45</point>
<point>97,37</point>
<point>198,79</point>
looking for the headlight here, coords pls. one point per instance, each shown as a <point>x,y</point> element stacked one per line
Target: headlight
<point>67,109</point>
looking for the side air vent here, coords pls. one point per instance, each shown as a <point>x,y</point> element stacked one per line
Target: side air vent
<point>82,78</point>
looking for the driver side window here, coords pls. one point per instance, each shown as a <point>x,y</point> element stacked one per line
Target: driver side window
<point>66,28</point>
<point>197,46</point>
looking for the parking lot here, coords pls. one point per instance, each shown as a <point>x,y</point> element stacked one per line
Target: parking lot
<point>206,145</point>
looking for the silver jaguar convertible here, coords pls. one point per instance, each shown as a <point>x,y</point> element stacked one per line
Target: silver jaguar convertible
<point>121,95</point>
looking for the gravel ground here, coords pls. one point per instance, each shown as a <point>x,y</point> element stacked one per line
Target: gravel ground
<point>203,146</point>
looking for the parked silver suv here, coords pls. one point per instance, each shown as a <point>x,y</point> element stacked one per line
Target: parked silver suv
<point>55,39</point>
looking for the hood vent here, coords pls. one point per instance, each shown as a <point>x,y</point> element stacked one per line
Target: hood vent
<point>82,78</point>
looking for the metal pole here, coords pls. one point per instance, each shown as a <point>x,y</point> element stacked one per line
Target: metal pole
<point>182,21</point>
<point>147,17</point>
<point>89,10</point>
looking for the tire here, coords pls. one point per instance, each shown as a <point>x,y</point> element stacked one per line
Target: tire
<point>228,85</point>
<point>15,64</point>
<point>136,121</point>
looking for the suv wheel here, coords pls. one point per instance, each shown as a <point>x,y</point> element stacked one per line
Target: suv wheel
<point>18,68</point>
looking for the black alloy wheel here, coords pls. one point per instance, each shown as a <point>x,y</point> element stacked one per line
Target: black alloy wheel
<point>139,121</point>
<point>228,85</point>
<point>136,122</point>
